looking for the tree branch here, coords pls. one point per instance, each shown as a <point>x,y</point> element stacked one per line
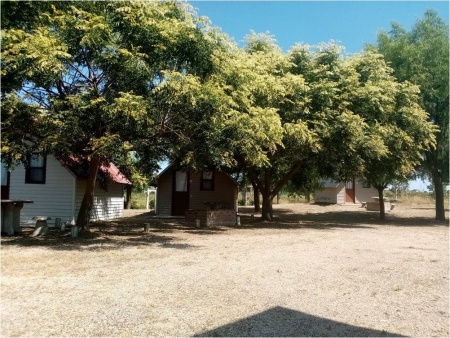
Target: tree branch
<point>78,71</point>
<point>294,169</point>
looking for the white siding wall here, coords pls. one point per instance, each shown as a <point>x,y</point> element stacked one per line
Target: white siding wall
<point>107,204</point>
<point>53,199</point>
<point>364,194</point>
<point>340,193</point>
<point>337,194</point>
<point>326,195</point>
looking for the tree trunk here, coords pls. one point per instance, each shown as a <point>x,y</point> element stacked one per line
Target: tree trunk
<point>381,199</point>
<point>88,198</point>
<point>128,190</point>
<point>439,195</point>
<point>244,195</point>
<point>256,202</point>
<point>264,186</point>
<point>268,196</point>
<point>308,198</point>
<point>267,210</point>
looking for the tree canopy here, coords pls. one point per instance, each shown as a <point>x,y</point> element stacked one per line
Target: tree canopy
<point>421,56</point>
<point>92,79</point>
<point>98,80</point>
<point>311,113</point>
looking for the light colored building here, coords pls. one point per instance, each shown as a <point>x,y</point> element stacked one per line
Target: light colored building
<point>57,187</point>
<point>354,191</point>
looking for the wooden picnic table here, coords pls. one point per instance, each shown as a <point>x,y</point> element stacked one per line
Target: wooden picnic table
<point>11,215</point>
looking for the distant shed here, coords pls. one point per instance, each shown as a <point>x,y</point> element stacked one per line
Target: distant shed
<point>354,191</point>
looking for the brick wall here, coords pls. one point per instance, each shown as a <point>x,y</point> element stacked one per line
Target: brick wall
<point>211,217</point>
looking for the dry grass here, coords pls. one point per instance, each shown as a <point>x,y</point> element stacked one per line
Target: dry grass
<point>314,271</point>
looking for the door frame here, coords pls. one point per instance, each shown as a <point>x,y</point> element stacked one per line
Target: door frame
<point>350,193</point>
<point>179,196</point>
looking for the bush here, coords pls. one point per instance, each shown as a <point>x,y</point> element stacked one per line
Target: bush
<point>135,204</point>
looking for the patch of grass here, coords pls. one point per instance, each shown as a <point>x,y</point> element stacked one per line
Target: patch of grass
<point>291,199</point>
<point>139,200</point>
<point>416,198</point>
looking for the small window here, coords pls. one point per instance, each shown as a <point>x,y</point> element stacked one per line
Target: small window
<point>207,180</point>
<point>35,171</point>
<point>366,184</point>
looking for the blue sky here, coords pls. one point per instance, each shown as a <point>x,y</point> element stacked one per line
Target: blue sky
<point>351,23</point>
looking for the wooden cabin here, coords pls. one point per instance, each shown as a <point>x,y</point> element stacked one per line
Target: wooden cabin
<point>180,190</point>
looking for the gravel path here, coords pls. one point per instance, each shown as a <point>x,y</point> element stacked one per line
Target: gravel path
<point>315,271</point>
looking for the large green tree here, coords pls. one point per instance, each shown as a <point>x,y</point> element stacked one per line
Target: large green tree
<point>90,79</point>
<point>279,114</point>
<point>395,122</point>
<point>421,56</point>
<point>286,116</point>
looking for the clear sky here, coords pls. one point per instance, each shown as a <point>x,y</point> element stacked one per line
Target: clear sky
<point>351,23</point>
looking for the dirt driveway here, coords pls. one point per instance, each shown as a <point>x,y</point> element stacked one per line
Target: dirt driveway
<point>315,271</point>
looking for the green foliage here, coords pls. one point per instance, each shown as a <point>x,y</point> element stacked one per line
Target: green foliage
<point>135,82</point>
<point>421,56</point>
<point>139,200</point>
<point>399,187</point>
<point>102,78</point>
<point>290,119</point>
<point>398,127</point>
<point>98,70</point>
<point>241,202</point>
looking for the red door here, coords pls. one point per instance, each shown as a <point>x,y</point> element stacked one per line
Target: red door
<point>350,191</point>
<point>180,193</point>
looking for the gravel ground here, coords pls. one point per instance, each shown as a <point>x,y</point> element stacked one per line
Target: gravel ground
<point>314,271</point>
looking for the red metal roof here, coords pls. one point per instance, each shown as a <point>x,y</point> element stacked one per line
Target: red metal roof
<point>114,173</point>
<point>80,168</point>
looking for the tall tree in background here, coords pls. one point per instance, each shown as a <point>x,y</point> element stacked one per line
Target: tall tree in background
<point>396,123</point>
<point>422,57</point>
<point>87,78</point>
<point>285,114</point>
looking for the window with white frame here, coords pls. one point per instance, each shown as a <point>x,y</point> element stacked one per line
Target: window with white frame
<point>35,170</point>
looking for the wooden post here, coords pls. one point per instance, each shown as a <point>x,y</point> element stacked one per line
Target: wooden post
<point>74,231</point>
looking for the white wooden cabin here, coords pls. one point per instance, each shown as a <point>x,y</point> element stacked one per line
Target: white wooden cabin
<point>351,192</point>
<point>57,187</point>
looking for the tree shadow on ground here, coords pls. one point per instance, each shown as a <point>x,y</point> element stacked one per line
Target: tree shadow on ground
<point>360,218</point>
<point>131,232</point>
<point>107,235</point>
<point>283,322</point>
<point>115,234</point>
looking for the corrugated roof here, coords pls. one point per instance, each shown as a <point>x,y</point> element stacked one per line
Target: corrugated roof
<point>329,184</point>
<point>80,168</point>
